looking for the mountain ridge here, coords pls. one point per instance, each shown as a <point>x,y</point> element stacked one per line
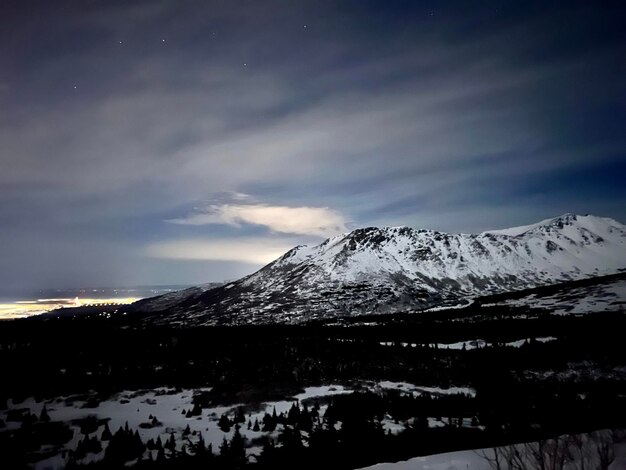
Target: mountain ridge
<point>389,269</point>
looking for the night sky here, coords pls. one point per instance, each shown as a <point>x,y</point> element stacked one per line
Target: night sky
<point>154,142</point>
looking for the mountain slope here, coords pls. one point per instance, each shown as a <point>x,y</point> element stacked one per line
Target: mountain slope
<point>378,270</point>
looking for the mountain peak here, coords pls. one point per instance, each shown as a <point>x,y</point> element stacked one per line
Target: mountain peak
<point>389,269</point>
<point>558,222</point>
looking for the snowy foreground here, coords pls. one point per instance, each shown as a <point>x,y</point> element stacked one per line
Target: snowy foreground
<point>169,415</point>
<point>162,413</point>
<point>580,452</point>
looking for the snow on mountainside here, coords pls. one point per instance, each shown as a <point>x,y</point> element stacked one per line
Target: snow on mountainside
<point>378,270</point>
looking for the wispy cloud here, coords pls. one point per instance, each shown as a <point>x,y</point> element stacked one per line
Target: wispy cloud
<point>319,221</point>
<point>251,250</point>
<point>376,115</point>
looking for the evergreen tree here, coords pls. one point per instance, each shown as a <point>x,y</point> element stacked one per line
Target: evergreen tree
<point>79,453</point>
<point>171,443</point>
<point>224,448</point>
<point>124,445</point>
<point>224,423</point>
<point>304,421</point>
<point>329,415</point>
<point>294,414</point>
<point>291,439</point>
<point>268,454</point>
<point>268,423</point>
<point>106,433</point>
<point>44,417</point>
<point>315,411</point>
<point>195,411</point>
<point>93,445</point>
<point>240,417</point>
<point>237,451</point>
<point>200,447</point>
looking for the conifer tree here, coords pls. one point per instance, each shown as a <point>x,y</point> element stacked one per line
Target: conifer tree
<point>315,410</point>
<point>80,450</point>
<point>171,443</point>
<point>224,423</point>
<point>44,417</point>
<point>106,433</point>
<point>267,423</point>
<point>268,452</point>
<point>224,448</point>
<point>238,447</point>
<point>240,417</point>
<point>200,447</point>
<point>294,414</point>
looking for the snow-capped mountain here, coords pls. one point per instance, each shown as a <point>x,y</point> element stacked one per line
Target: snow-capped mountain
<point>379,270</point>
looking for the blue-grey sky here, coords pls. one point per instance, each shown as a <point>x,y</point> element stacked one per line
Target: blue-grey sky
<point>149,142</point>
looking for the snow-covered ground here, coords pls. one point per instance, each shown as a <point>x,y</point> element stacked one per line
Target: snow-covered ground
<point>478,459</point>
<point>472,344</point>
<point>161,412</point>
<point>169,407</point>
<point>464,460</point>
<point>578,300</point>
<point>416,390</point>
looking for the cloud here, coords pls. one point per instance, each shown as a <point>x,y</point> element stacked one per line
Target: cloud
<point>464,121</point>
<point>244,250</point>
<point>319,221</point>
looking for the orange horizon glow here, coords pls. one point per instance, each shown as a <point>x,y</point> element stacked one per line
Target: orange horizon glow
<point>28,308</point>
